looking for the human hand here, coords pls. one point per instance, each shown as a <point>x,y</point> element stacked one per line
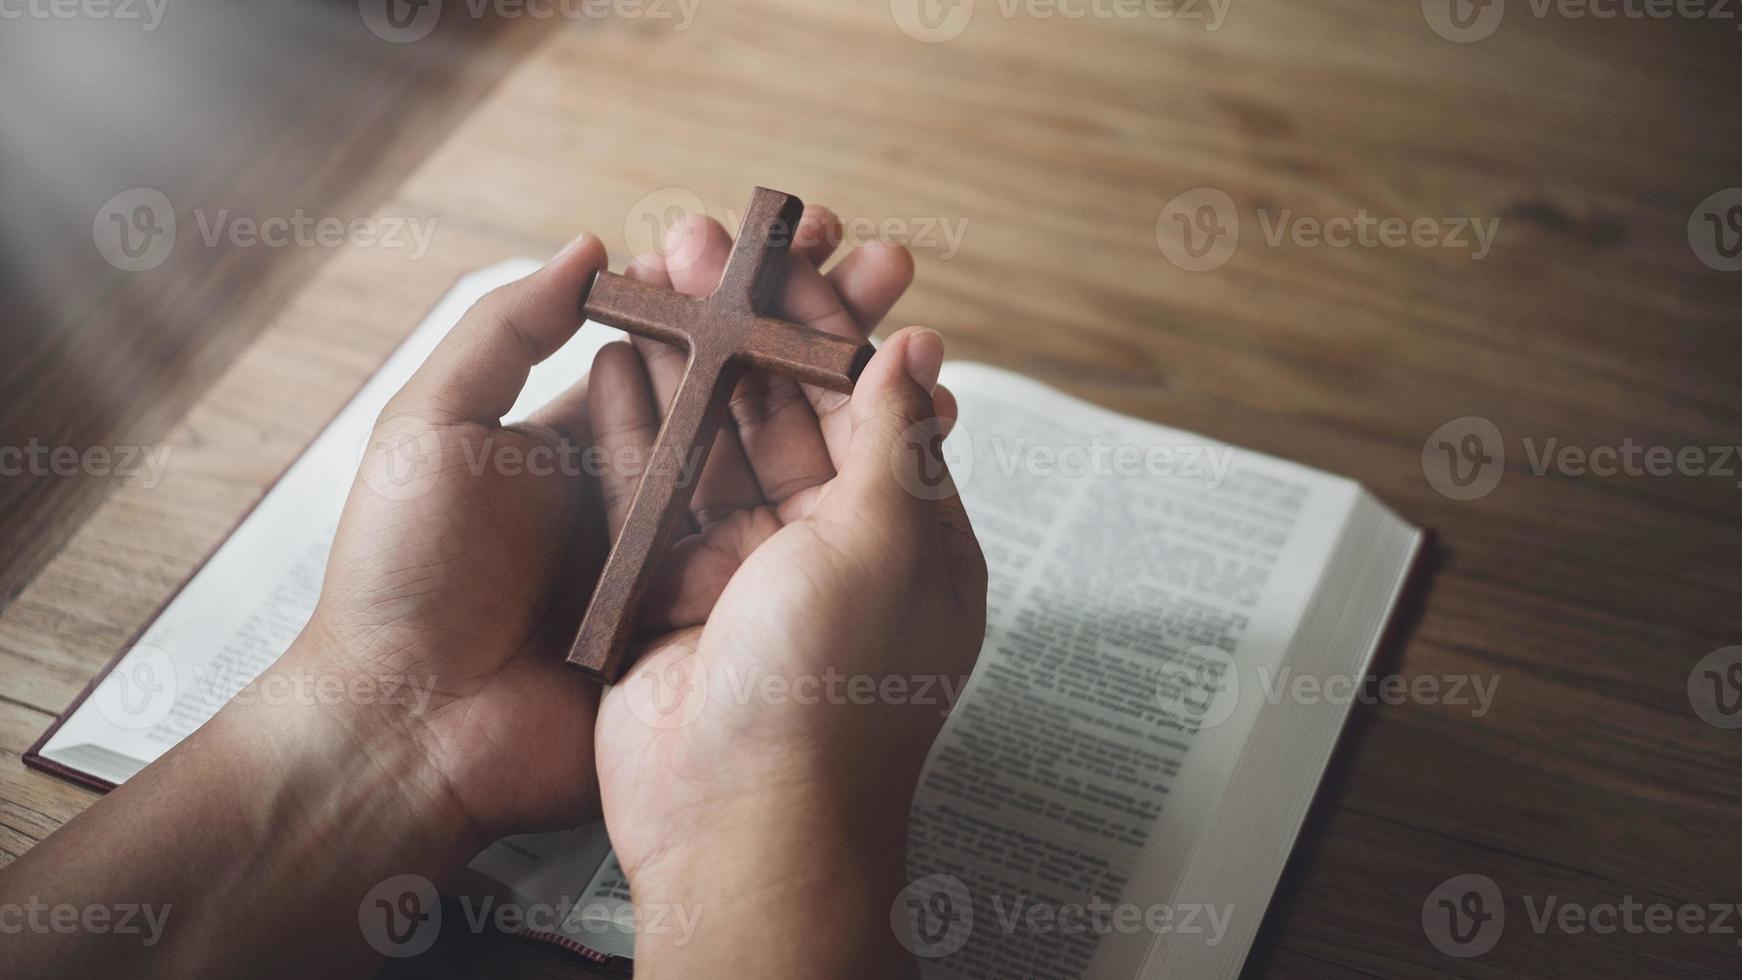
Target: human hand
<point>810,566</point>
<point>463,582</point>
<point>471,578</point>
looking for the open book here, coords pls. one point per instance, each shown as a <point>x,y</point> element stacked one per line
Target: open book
<point>1120,782</point>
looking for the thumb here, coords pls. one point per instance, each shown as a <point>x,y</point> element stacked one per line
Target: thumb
<point>894,465</point>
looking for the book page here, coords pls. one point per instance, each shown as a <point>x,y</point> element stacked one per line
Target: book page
<point>1131,567</point>
<point>606,920</point>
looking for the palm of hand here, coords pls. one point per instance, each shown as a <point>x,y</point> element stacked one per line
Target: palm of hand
<point>450,570</point>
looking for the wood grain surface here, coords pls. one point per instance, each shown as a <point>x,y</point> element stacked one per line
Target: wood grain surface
<point>1036,165</point>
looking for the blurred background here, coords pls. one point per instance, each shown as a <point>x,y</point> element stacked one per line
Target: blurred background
<point>254,109</point>
<point>1325,230</point>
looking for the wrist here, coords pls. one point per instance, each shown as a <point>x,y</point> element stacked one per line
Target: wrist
<point>758,870</point>
<point>356,764</point>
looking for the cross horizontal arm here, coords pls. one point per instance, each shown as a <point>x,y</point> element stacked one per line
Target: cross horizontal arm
<point>806,355</point>
<point>647,311</point>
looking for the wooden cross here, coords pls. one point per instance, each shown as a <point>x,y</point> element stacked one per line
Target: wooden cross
<point>726,333</point>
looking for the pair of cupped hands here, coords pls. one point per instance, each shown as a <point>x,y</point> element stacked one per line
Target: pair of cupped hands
<point>806,559</point>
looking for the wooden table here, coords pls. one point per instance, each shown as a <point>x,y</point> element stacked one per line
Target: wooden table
<point>1056,145</point>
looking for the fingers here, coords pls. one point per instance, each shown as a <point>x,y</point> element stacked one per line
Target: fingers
<point>870,279</point>
<point>477,371</point>
<point>625,424</point>
<point>868,282</point>
<point>819,234</point>
<point>891,405</point>
<point>698,250</point>
<point>943,402</point>
<point>778,419</point>
<point>567,414</point>
<point>893,476</point>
